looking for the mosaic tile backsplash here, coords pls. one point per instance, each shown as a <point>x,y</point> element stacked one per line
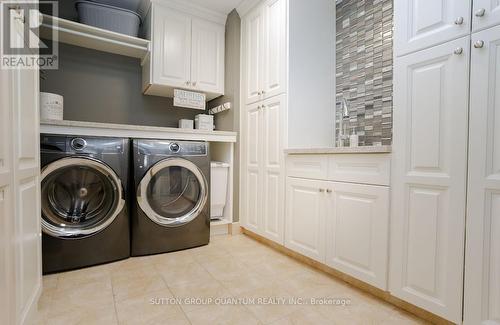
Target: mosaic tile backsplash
<point>364,67</point>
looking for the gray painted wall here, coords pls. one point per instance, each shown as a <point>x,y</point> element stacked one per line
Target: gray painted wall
<point>103,87</point>
<point>230,120</point>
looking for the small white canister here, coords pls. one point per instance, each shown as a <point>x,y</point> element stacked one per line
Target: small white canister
<point>51,106</point>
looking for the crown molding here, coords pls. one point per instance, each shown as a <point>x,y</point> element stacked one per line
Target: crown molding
<point>246,6</point>
<point>189,8</point>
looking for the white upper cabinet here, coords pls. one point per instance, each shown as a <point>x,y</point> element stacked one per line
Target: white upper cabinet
<point>428,177</point>
<point>357,227</point>
<point>172,48</point>
<point>274,51</point>
<point>186,52</point>
<point>482,259</point>
<point>420,24</point>
<point>207,60</point>
<point>264,50</point>
<point>253,27</point>
<point>485,13</point>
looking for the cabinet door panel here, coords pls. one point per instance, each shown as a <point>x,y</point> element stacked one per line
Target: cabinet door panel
<point>420,24</point>
<point>429,178</point>
<point>207,60</point>
<point>482,259</point>
<point>6,211</point>
<point>252,172</point>
<point>305,215</point>
<point>273,168</point>
<point>275,56</point>
<point>491,16</point>
<point>172,47</point>
<point>358,231</point>
<point>253,47</point>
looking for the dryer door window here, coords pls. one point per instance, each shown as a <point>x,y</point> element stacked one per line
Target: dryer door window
<point>173,192</point>
<point>80,197</point>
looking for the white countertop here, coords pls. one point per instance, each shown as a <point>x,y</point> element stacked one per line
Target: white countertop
<point>133,131</point>
<point>339,150</point>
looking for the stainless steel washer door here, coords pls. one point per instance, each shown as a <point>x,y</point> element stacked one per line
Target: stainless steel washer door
<point>80,197</point>
<point>173,192</point>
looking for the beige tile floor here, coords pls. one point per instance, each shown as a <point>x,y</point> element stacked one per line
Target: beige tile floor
<point>159,290</point>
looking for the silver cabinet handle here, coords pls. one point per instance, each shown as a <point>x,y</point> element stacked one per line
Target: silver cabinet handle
<point>321,190</point>
<point>188,83</point>
<point>478,44</point>
<point>194,84</point>
<point>480,12</point>
<point>258,107</point>
<point>458,51</point>
<point>459,21</point>
<point>329,191</point>
<point>259,93</point>
<point>263,92</point>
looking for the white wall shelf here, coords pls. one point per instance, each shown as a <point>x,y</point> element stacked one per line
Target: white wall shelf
<point>74,33</point>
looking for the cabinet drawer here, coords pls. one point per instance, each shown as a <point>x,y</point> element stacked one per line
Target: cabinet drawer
<point>308,166</point>
<point>360,168</point>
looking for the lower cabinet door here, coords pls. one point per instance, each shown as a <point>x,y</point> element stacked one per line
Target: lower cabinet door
<point>429,177</point>
<point>305,217</point>
<point>251,176</point>
<point>357,225</point>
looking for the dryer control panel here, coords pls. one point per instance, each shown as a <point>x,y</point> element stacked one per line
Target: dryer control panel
<point>172,148</point>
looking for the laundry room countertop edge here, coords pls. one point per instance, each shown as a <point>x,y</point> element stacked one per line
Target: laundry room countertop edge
<point>339,150</point>
<point>82,128</point>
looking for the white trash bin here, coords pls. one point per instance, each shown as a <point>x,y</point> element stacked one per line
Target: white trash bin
<point>218,188</point>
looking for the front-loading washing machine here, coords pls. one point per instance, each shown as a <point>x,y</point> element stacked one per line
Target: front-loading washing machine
<point>83,199</point>
<point>171,207</point>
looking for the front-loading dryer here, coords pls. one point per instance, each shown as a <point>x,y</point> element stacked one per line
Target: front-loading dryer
<point>171,207</point>
<point>83,199</point>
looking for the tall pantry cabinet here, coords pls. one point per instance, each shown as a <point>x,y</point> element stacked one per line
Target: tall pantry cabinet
<point>482,258</point>
<point>445,174</point>
<point>272,63</point>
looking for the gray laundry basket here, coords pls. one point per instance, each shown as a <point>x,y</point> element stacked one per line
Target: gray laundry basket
<point>108,17</point>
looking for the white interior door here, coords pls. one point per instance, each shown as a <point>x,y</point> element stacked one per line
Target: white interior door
<point>420,24</point>
<point>207,60</point>
<point>6,202</point>
<point>171,47</point>
<point>358,231</point>
<point>274,50</point>
<point>252,168</point>
<point>273,113</point>
<point>27,192</point>
<point>20,231</point>
<point>253,27</point>
<point>305,217</point>
<point>429,178</point>
<point>485,13</point>
<point>482,259</point>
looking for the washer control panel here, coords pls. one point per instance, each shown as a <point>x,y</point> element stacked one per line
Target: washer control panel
<point>78,144</point>
<point>174,147</point>
<point>188,148</point>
